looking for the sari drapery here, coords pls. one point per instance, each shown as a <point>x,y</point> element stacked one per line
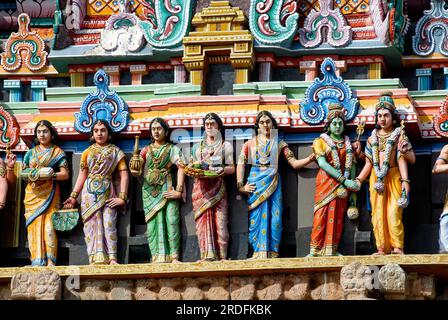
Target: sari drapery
<point>161,215</point>
<point>329,210</point>
<point>42,200</point>
<point>210,205</point>
<point>100,230</point>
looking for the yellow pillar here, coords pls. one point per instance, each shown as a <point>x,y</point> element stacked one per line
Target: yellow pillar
<point>77,79</point>
<point>196,77</point>
<point>241,75</point>
<point>375,70</point>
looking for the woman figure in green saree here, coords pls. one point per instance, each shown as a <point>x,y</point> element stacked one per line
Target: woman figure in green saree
<point>160,198</point>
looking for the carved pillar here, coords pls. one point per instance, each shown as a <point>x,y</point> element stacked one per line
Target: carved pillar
<point>309,68</point>
<point>196,72</point>
<point>180,73</point>
<point>137,72</point>
<point>37,89</point>
<point>77,79</point>
<point>375,71</point>
<point>445,74</point>
<point>114,73</point>
<point>15,90</point>
<point>341,66</point>
<point>424,78</point>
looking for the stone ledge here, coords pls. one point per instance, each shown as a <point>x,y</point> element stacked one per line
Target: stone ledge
<point>436,264</point>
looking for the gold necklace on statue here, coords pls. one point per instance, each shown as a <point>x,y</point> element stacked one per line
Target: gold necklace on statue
<point>382,141</point>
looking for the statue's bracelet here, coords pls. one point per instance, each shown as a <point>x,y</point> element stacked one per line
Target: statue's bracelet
<point>239,185</point>
<point>405,180</point>
<point>74,195</point>
<point>123,196</point>
<point>180,189</point>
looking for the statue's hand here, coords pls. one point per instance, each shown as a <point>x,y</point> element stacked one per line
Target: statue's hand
<point>404,146</point>
<point>69,203</point>
<point>248,188</point>
<point>356,148</point>
<point>405,186</point>
<point>10,160</point>
<point>352,185</point>
<point>115,202</point>
<point>172,194</point>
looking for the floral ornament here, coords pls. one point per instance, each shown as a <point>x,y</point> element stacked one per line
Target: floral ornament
<point>381,172</point>
<point>342,191</point>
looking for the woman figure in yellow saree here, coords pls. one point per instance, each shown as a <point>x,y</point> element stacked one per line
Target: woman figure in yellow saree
<point>43,165</point>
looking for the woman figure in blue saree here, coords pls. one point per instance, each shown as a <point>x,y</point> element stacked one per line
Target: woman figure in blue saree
<point>263,186</point>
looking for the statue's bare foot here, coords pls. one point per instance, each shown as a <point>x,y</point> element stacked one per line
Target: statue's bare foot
<point>50,263</point>
<point>176,261</point>
<point>379,253</point>
<point>113,261</point>
<point>397,251</point>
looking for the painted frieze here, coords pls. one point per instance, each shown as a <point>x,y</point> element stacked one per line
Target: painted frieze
<point>441,120</point>
<point>24,48</point>
<point>314,33</point>
<point>273,22</point>
<point>167,22</point>
<point>9,130</point>
<point>431,32</point>
<point>122,35</point>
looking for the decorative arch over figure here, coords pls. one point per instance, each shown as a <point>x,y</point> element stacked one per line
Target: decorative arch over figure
<point>104,104</point>
<point>441,120</point>
<point>24,48</point>
<point>274,22</point>
<point>9,130</point>
<point>321,93</point>
<point>431,32</point>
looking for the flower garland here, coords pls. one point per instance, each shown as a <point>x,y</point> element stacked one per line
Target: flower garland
<point>381,172</point>
<point>341,191</point>
<point>335,156</point>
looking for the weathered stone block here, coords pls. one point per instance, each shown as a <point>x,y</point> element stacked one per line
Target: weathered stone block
<point>122,290</point>
<point>356,281</point>
<point>270,288</point>
<point>242,288</point>
<point>94,290</point>
<point>168,289</point>
<point>392,281</point>
<point>146,289</point>
<point>43,285</point>
<point>297,287</point>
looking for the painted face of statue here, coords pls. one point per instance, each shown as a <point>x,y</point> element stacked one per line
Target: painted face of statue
<point>336,127</point>
<point>265,125</point>
<point>157,132</point>
<point>385,119</point>
<point>43,134</point>
<point>211,128</point>
<point>100,134</point>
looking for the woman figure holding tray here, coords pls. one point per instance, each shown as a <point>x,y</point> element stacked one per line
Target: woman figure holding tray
<point>42,166</point>
<point>214,156</point>
<point>160,198</point>
<point>263,186</point>
<point>103,183</point>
